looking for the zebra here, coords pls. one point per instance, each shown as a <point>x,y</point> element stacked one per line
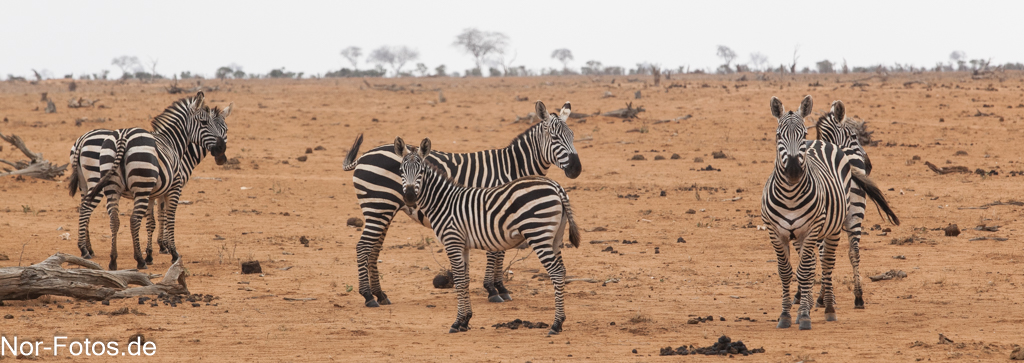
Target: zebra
<point>834,128</point>
<point>153,165</point>
<point>805,201</point>
<point>533,210</point>
<point>376,180</point>
<point>89,159</point>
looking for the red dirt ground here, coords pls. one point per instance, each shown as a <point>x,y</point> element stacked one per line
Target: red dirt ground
<point>967,289</point>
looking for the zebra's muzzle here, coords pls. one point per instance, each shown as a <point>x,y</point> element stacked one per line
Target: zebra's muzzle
<point>573,167</point>
<point>218,151</point>
<point>409,194</point>
<point>793,170</point>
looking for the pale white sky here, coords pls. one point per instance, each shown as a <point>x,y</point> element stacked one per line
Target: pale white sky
<point>306,36</point>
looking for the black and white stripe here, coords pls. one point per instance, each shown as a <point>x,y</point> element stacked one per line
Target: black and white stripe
<point>835,128</point>
<point>377,183</point>
<point>156,166</point>
<point>805,202</point>
<point>533,210</point>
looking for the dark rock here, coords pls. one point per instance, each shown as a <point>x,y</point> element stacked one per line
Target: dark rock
<point>675,157</point>
<point>309,150</point>
<point>354,222</point>
<point>251,267</point>
<point>952,230</point>
<point>444,280</point>
<point>304,241</point>
<point>302,158</point>
<point>718,154</point>
<point>659,157</point>
<point>638,157</point>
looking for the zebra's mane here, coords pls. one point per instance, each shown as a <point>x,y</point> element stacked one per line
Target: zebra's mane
<point>528,131</point>
<point>173,114</point>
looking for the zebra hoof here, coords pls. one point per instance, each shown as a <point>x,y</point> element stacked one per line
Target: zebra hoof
<point>142,265</point>
<point>453,331</point>
<point>804,321</point>
<point>552,332</point>
<point>384,300</point>
<point>495,299</point>
<point>858,303</point>
<point>372,304</point>
<point>785,321</point>
<point>831,317</point>
<point>112,266</point>
<point>506,296</point>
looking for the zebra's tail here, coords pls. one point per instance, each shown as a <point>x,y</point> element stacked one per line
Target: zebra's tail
<point>871,189</point>
<point>350,160</point>
<point>574,231</point>
<point>75,177</point>
<point>107,176</point>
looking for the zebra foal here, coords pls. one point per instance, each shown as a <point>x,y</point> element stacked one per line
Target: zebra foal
<point>377,181</point>
<point>533,210</point>
<point>805,202</point>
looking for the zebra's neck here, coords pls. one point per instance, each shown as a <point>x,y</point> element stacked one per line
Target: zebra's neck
<point>526,154</point>
<point>436,191</point>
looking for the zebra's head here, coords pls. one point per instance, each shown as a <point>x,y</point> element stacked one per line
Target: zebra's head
<point>557,138</point>
<point>413,164</point>
<point>789,139</point>
<point>217,139</point>
<point>835,128</point>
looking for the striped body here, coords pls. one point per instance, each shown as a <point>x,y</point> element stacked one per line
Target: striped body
<point>377,181</point>
<point>532,210</point>
<point>151,167</point>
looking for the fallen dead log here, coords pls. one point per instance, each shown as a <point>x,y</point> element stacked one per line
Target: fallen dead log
<point>626,113</point>
<point>79,102</point>
<point>88,283</point>
<point>947,169</point>
<point>36,167</point>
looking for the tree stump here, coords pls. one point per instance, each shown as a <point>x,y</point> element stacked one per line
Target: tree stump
<point>88,283</point>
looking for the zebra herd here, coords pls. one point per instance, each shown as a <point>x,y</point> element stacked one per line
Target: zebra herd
<point>493,200</point>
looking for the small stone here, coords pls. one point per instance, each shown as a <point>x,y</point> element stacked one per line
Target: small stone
<point>638,157</point>
<point>301,158</point>
<point>319,148</point>
<point>354,222</point>
<point>698,159</point>
<point>663,193</point>
<point>675,157</point>
<point>251,267</point>
<point>1017,354</point>
<point>9,316</point>
<point>309,150</point>
<point>691,211</point>
<point>304,241</point>
<point>638,93</point>
<point>659,157</point>
<point>718,154</point>
<point>680,240</point>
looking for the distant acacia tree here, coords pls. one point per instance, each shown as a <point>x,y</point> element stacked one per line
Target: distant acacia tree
<point>396,57</point>
<point>480,44</point>
<point>128,65</point>
<point>727,56</point>
<point>959,58</point>
<point>563,55</point>
<point>352,54</point>
<point>593,67</point>
<point>440,71</point>
<point>422,69</point>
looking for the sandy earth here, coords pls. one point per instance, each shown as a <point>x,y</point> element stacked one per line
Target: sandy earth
<point>969,290</point>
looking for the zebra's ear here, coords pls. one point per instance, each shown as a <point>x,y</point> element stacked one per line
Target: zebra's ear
<point>776,107</point>
<point>839,110</point>
<point>425,148</point>
<point>566,110</point>
<point>805,106</point>
<point>200,97</point>
<point>399,146</point>
<point>227,110</point>
<point>542,111</point>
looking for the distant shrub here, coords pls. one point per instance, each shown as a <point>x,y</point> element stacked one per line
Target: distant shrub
<point>346,73</point>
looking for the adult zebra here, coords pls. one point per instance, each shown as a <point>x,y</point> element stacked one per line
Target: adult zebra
<point>89,159</point>
<point>377,175</point>
<point>835,128</point>
<point>805,201</point>
<point>533,210</point>
<point>155,165</point>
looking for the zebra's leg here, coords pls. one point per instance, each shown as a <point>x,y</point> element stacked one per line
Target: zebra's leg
<point>150,227</point>
<point>368,248</point>
<point>170,204</point>
<point>138,214</point>
<point>489,275</point>
<point>805,279</point>
<point>115,225</point>
<point>85,210</point>
<point>827,298</point>
<point>785,274</point>
<point>459,258</point>
<point>854,227</point>
<point>552,261</point>
<point>161,227</point>
<point>499,276</point>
